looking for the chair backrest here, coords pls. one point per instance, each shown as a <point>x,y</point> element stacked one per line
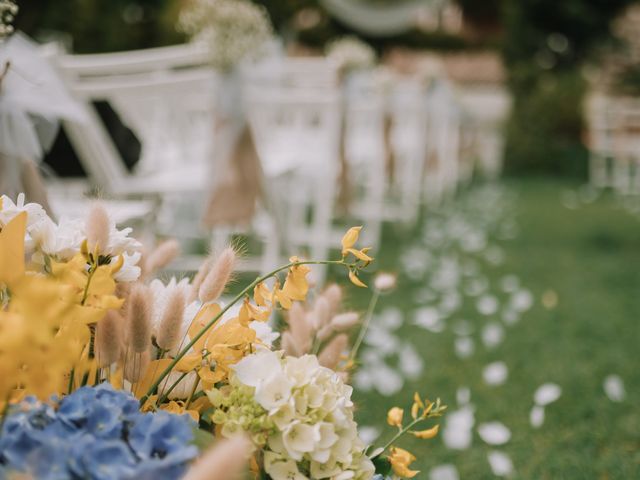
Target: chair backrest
<point>157,93</point>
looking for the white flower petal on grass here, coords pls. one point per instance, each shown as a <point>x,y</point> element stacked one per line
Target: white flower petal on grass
<point>410,363</point>
<point>463,396</point>
<point>463,328</point>
<point>547,393</point>
<point>444,472</point>
<point>253,369</point>
<point>458,429</point>
<point>510,317</point>
<point>614,388</point>
<point>368,434</point>
<point>536,416</point>
<point>494,433</point>
<point>427,318</point>
<point>509,283</point>
<point>495,373</point>
<point>492,335</point>
<point>500,463</point>
<point>390,318</point>
<point>387,381</point>
<point>487,305</point>
<point>464,347</point>
<point>522,300</point>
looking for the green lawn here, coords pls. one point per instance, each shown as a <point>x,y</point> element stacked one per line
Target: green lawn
<point>589,257</point>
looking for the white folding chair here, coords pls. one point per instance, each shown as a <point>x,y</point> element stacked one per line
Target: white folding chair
<point>295,120</point>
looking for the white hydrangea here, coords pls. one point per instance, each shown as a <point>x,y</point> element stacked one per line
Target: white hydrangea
<point>62,240</point>
<point>351,53</point>
<point>8,11</point>
<point>299,412</point>
<point>234,30</point>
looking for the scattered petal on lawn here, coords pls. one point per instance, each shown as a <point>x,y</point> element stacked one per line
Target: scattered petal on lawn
<point>547,393</point>
<point>464,347</point>
<point>487,305</point>
<point>494,255</point>
<point>387,381</point>
<point>368,434</point>
<point>463,327</point>
<point>614,388</point>
<point>509,283</point>
<point>536,417</point>
<point>410,362</point>
<point>424,295</point>
<point>458,430</point>
<point>510,317</point>
<point>450,302</point>
<point>476,287</point>
<point>495,373</point>
<point>494,433</point>
<point>463,396</point>
<point>391,318</point>
<point>522,300</point>
<point>492,335</point>
<point>500,463</point>
<point>429,319</point>
<point>444,472</point>
<point>363,380</point>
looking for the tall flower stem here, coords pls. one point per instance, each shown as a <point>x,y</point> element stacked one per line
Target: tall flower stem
<point>365,325</point>
<point>400,433</point>
<point>237,298</point>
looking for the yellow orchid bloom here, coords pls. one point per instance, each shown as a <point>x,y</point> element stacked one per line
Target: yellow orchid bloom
<point>360,254</point>
<point>350,238</point>
<point>12,249</point>
<point>426,434</point>
<point>400,460</point>
<point>394,417</point>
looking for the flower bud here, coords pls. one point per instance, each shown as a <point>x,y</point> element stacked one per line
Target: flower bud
<point>345,321</point>
<point>108,339</point>
<point>139,319</point>
<point>385,282</point>
<point>170,326</point>
<point>330,355</point>
<point>97,228</point>
<point>218,276</point>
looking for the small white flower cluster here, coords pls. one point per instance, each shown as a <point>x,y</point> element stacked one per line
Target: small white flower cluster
<point>234,30</point>
<point>61,241</point>
<point>8,11</point>
<point>305,412</point>
<point>350,53</point>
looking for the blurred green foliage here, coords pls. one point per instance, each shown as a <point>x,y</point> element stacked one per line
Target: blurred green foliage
<point>545,46</point>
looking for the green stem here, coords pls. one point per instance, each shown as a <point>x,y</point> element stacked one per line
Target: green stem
<point>237,298</point>
<point>85,294</point>
<point>365,325</point>
<point>400,433</point>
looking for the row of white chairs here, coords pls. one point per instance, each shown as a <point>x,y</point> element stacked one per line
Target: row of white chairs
<point>614,143</point>
<point>301,119</point>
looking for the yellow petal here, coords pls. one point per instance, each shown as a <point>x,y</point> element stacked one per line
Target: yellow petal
<point>350,238</point>
<point>414,410</point>
<point>426,434</point>
<point>12,249</point>
<point>188,362</point>
<point>394,417</point>
<point>359,254</point>
<point>355,280</point>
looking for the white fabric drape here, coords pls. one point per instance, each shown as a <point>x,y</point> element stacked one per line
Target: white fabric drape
<point>377,19</point>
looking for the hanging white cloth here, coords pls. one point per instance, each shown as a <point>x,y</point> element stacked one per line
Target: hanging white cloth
<point>32,100</point>
<point>377,18</point>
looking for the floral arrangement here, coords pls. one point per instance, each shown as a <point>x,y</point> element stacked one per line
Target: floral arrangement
<point>8,11</point>
<point>350,53</point>
<point>234,30</point>
<point>100,360</point>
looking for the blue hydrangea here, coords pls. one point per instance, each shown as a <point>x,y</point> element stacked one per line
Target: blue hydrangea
<point>95,433</point>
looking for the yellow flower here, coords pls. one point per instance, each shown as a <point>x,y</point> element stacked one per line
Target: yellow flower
<point>394,417</point>
<point>355,280</point>
<point>360,254</point>
<point>350,238</point>
<point>400,460</point>
<point>426,434</point>
<point>12,249</point>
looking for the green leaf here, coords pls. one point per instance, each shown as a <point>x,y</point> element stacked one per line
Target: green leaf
<point>202,439</point>
<point>382,464</point>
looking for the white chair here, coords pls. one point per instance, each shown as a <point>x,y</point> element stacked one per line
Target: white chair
<point>365,152</point>
<point>409,136</point>
<point>295,120</point>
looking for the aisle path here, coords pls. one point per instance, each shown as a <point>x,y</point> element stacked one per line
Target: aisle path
<point>520,307</point>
